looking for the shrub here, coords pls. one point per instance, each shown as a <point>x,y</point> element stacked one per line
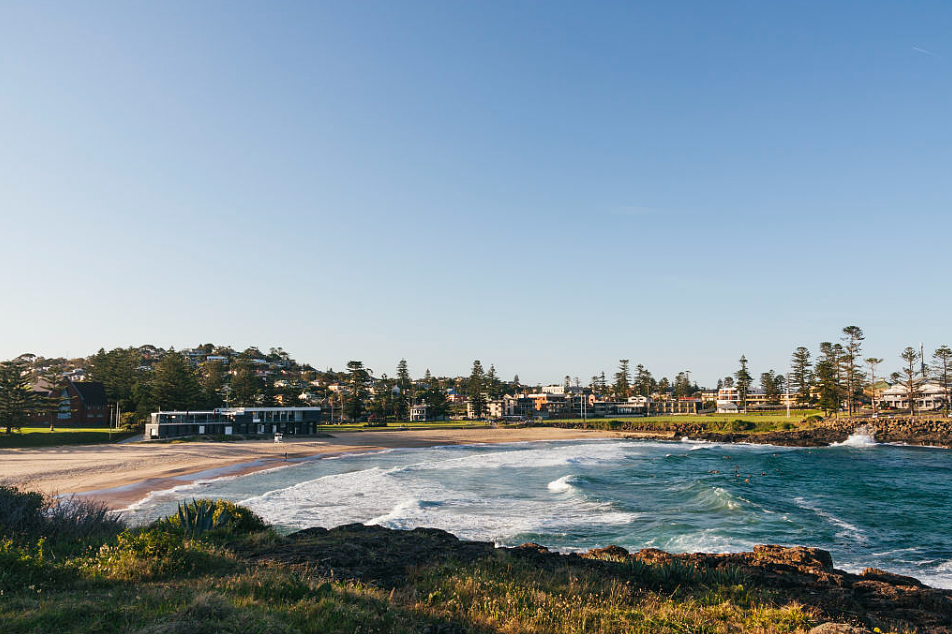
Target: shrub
<point>157,554</point>
<point>25,567</point>
<point>28,516</point>
<point>735,425</point>
<point>225,516</point>
<point>21,512</point>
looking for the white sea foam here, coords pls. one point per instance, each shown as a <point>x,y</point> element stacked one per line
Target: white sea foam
<point>847,530</point>
<point>709,540</point>
<point>563,484</point>
<point>861,438</point>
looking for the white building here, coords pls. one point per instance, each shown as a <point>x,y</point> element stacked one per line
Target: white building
<point>930,397</point>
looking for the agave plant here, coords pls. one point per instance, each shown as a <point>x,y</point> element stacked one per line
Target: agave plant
<point>198,517</point>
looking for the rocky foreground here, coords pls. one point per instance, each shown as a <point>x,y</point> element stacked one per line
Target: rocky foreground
<point>848,602</point>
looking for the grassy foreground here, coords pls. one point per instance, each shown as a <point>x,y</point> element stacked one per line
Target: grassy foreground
<point>70,567</point>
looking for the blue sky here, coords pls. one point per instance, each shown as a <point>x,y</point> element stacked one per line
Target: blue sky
<point>544,186</point>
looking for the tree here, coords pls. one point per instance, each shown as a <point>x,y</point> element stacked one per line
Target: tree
<point>800,375</point>
<point>828,377</point>
<point>622,385</point>
<point>268,396</point>
<point>872,362</point>
<point>744,380</point>
<point>52,402</point>
<point>18,402</point>
<point>853,337</point>
<point>245,386</point>
<point>359,376</point>
<point>492,383</point>
<point>942,364</point>
<point>174,384</point>
<point>682,385</point>
<point>908,374</point>
<point>213,383</point>
<point>405,384</point>
<point>474,389</point>
<point>118,371</point>
<point>772,384</point>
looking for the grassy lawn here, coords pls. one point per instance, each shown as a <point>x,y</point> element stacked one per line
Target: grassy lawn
<point>43,437</point>
<point>755,422</point>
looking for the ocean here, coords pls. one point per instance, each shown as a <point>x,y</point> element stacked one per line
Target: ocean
<point>869,504</point>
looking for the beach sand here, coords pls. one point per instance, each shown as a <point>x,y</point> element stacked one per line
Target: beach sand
<point>121,474</point>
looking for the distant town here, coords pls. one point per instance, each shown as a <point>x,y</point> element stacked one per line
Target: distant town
<point>131,386</point>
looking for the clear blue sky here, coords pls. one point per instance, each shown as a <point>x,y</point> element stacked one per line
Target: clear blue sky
<point>546,186</point>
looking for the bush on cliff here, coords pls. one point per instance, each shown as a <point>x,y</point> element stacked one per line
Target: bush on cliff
<point>67,523</point>
<point>237,519</point>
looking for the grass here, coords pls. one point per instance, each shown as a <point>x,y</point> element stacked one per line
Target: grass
<point>754,422</point>
<point>158,580</point>
<point>43,437</point>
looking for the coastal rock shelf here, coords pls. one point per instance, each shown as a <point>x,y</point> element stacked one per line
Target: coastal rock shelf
<point>924,431</point>
<point>388,557</point>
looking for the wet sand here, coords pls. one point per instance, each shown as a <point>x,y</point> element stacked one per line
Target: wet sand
<point>121,474</point>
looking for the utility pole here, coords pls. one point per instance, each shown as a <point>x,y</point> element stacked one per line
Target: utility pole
<point>788,394</point>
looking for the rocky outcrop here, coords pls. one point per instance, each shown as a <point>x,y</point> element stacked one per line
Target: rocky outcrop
<point>389,558</point>
<point>931,431</point>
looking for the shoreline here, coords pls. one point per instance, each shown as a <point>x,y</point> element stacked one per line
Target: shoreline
<point>119,475</point>
<point>122,474</point>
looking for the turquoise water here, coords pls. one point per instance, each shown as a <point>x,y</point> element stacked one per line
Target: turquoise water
<point>869,504</point>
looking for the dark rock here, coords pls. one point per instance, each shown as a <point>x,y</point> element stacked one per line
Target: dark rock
<point>652,556</point>
<point>876,574</point>
<point>389,558</point>
<point>532,546</point>
<point>798,557</point>
<point>611,553</point>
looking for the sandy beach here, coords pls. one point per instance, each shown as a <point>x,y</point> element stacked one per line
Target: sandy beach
<point>121,474</point>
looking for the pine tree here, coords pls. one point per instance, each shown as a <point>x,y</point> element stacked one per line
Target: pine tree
<point>874,396</point>
<point>643,381</point>
<point>52,402</point>
<point>909,371</point>
<point>772,384</point>
<point>800,374</point>
<point>475,387</point>
<point>853,337</point>
<point>492,383</point>
<point>213,383</point>
<point>18,402</point>
<point>174,384</point>
<point>358,389</point>
<point>405,396</point>
<point>942,364</point>
<point>622,386</point>
<point>744,380</point>
<point>245,386</point>
<point>828,380</point>
<point>682,385</point>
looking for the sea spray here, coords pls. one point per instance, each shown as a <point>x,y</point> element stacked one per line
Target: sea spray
<point>862,437</point>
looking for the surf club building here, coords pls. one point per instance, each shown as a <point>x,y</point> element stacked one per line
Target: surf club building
<point>227,421</point>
